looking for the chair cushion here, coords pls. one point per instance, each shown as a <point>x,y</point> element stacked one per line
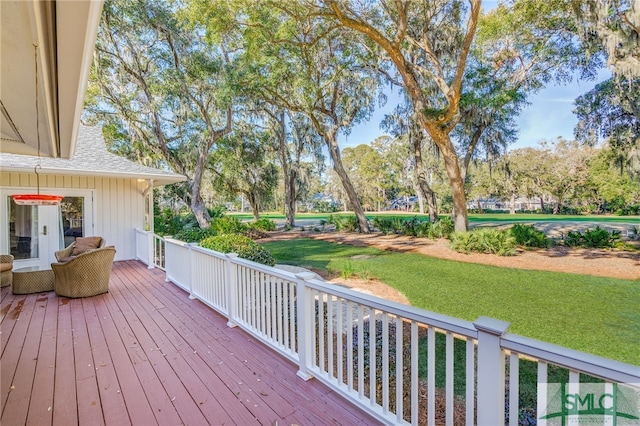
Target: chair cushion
<point>85,243</point>
<point>5,267</point>
<point>66,259</point>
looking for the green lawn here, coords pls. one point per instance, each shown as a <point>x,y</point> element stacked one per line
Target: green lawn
<point>277,215</point>
<point>591,314</point>
<point>493,217</point>
<point>523,217</point>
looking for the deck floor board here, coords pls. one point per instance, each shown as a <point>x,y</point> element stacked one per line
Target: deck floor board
<point>190,364</point>
<point>65,408</point>
<point>145,353</point>
<point>231,371</point>
<point>114,407</point>
<point>40,411</point>
<point>22,383</point>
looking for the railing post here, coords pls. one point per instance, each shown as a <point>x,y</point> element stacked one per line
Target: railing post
<point>232,288</point>
<point>167,268</point>
<point>161,252</point>
<point>490,371</point>
<point>303,316</point>
<point>192,269</point>
<point>150,251</point>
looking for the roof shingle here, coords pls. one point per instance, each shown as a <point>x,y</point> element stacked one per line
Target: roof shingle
<point>91,158</point>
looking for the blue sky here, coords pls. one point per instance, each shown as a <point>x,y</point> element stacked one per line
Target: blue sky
<point>549,115</point>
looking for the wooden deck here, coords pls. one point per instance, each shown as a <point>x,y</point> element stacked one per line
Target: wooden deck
<point>145,354</point>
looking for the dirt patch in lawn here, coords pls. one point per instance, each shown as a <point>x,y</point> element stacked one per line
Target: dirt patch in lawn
<point>599,262</point>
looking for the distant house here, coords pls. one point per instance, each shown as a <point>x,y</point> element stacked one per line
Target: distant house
<point>520,204</point>
<point>404,203</point>
<point>105,195</point>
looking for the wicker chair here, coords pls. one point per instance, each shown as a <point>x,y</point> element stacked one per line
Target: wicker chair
<point>85,275</point>
<point>6,266</point>
<point>68,251</point>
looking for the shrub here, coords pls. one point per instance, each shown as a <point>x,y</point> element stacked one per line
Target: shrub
<point>573,239</point>
<point>600,238</point>
<point>386,225</point>
<point>162,220</point>
<point>630,210</point>
<point>484,240</point>
<point>263,224</point>
<point>345,224</point>
<point>635,233</point>
<point>410,226</point>
<point>228,225</point>
<point>592,238</point>
<point>167,222</point>
<point>217,211</point>
<point>194,235</point>
<point>351,224</point>
<point>414,227</point>
<point>441,228</point>
<point>424,229</point>
<point>245,247</point>
<point>529,236</point>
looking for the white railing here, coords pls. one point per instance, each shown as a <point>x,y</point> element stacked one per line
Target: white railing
<point>213,274</point>
<point>551,361</point>
<point>150,249</point>
<point>399,363</point>
<point>178,263</point>
<point>158,251</point>
<point>142,246</point>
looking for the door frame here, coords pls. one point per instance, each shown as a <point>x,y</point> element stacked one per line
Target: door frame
<point>47,216</point>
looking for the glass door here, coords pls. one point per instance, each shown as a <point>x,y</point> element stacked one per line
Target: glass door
<point>72,219</point>
<point>35,233</point>
<point>29,233</point>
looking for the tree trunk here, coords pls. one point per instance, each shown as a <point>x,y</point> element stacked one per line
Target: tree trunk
<point>290,200</point>
<point>426,193</point>
<point>424,190</point>
<point>432,204</point>
<point>200,212</point>
<point>332,144</point>
<point>421,199</point>
<point>289,179</point>
<point>475,138</point>
<point>542,204</point>
<point>556,206</point>
<point>255,207</point>
<point>512,207</point>
<point>197,204</point>
<point>455,177</point>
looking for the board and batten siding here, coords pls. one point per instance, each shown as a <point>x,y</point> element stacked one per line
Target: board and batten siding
<point>118,204</point>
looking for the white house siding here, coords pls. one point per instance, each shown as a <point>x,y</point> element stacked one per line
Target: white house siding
<point>118,204</point>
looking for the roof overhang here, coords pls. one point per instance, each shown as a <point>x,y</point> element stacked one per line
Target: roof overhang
<point>65,33</point>
<point>159,179</point>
